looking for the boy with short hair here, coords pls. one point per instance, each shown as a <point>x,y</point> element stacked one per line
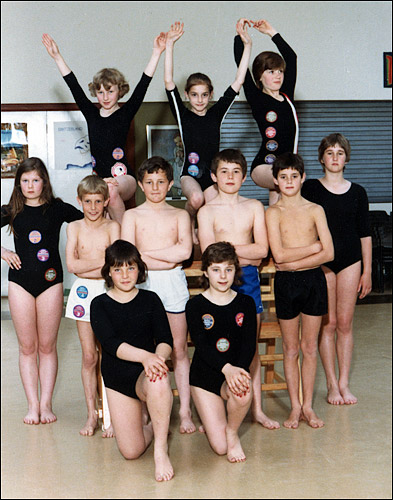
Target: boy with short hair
<point>240,221</point>
<point>162,234</point>
<point>87,240</point>
<point>300,242</point>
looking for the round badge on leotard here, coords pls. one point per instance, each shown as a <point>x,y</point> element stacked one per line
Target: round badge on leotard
<point>270,132</point>
<point>271,116</point>
<point>222,344</point>
<point>50,274</point>
<point>117,153</point>
<point>93,161</point>
<point>43,255</point>
<point>193,158</point>
<point>35,237</point>
<point>239,319</point>
<point>193,170</point>
<point>269,159</point>
<point>118,169</point>
<point>271,145</point>
<point>208,321</point>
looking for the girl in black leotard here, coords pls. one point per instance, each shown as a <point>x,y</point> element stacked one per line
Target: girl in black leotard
<point>108,126</point>
<point>349,274</point>
<point>270,97</point>
<point>133,330</point>
<point>35,290</point>
<point>200,126</point>
<point>222,326</point>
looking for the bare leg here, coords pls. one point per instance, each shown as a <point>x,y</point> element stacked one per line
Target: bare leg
<point>23,313</point>
<point>49,306</point>
<point>347,283</point>
<point>119,194</point>
<point>89,376</point>
<point>256,407</point>
<point>290,342</point>
<point>309,347</point>
<point>181,368</point>
<point>263,177</point>
<point>159,399</point>
<point>195,199</point>
<point>327,341</point>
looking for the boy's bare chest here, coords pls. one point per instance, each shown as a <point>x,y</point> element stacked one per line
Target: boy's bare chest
<point>233,221</point>
<point>160,226</point>
<point>93,242</point>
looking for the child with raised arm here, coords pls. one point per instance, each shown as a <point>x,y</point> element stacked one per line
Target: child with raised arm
<point>241,221</point>
<point>108,125</point>
<point>222,326</point>
<point>87,240</point>
<point>349,274</point>
<point>35,288</point>
<point>270,95</point>
<point>200,125</point>
<point>162,234</point>
<point>300,242</point>
<point>136,341</point>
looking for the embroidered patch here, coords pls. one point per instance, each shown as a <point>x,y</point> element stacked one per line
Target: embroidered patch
<point>118,154</point>
<point>43,255</point>
<point>118,169</point>
<point>239,319</point>
<point>35,237</point>
<point>271,116</point>
<point>82,292</point>
<point>222,345</point>
<point>78,311</point>
<point>269,159</point>
<point>270,132</point>
<point>50,274</point>
<point>193,158</point>
<point>271,145</point>
<point>208,321</point>
<point>93,161</point>
<point>193,170</point>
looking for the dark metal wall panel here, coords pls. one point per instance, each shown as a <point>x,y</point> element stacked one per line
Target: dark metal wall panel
<point>367,125</point>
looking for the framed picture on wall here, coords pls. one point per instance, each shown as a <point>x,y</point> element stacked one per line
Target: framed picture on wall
<point>165,141</point>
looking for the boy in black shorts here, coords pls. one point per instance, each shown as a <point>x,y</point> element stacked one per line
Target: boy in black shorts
<point>300,242</point>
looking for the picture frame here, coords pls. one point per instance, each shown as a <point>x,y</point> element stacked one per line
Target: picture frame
<point>165,141</point>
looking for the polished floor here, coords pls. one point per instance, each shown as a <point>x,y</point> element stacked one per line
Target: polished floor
<point>349,458</point>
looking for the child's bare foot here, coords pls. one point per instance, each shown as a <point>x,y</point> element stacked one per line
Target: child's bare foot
<point>235,451</point>
<point>201,429</point>
<point>32,417</point>
<point>164,469</point>
<point>348,397</point>
<point>47,416</point>
<point>311,418</point>
<point>90,426</point>
<point>265,421</point>
<point>109,432</point>
<point>187,426</point>
<point>334,397</point>
<point>294,418</point>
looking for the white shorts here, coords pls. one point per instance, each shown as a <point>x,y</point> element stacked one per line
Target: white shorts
<point>82,292</point>
<point>171,286</point>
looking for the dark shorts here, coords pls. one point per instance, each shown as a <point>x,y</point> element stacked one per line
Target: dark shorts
<point>300,292</point>
<point>251,285</point>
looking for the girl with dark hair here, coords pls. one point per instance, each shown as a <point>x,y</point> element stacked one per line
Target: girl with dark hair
<point>35,290</point>
<point>132,327</point>
<point>222,325</point>
<point>109,125</point>
<point>270,97</point>
<point>200,125</point>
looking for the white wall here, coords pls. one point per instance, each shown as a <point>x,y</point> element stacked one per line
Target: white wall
<point>340,45</point>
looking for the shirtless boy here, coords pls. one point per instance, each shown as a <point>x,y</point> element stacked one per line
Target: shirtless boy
<point>241,221</point>
<point>162,234</point>
<point>300,242</point>
<point>87,240</point>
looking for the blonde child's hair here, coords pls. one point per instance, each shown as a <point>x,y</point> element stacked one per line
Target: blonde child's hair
<point>108,77</point>
<point>92,184</point>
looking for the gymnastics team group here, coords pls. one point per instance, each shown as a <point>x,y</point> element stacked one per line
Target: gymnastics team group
<point>130,295</point>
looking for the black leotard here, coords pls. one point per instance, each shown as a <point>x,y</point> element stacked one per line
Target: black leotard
<point>142,323</point>
<point>347,217</point>
<point>200,134</point>
<point>36,240</point>
<point>276,120</point>
<point>108,135</point>
<point>221,334</point>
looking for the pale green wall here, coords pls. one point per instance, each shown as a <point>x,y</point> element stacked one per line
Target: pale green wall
<point>339,44</point>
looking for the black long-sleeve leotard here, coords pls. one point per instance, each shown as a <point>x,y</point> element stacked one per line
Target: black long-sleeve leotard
<point>108,135</point>
<point>142,323</point>
<point>200,134</point>
<point>347,218</point>
<point>36,240</point>
<point>276,120</point>
<point>221,335</point>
